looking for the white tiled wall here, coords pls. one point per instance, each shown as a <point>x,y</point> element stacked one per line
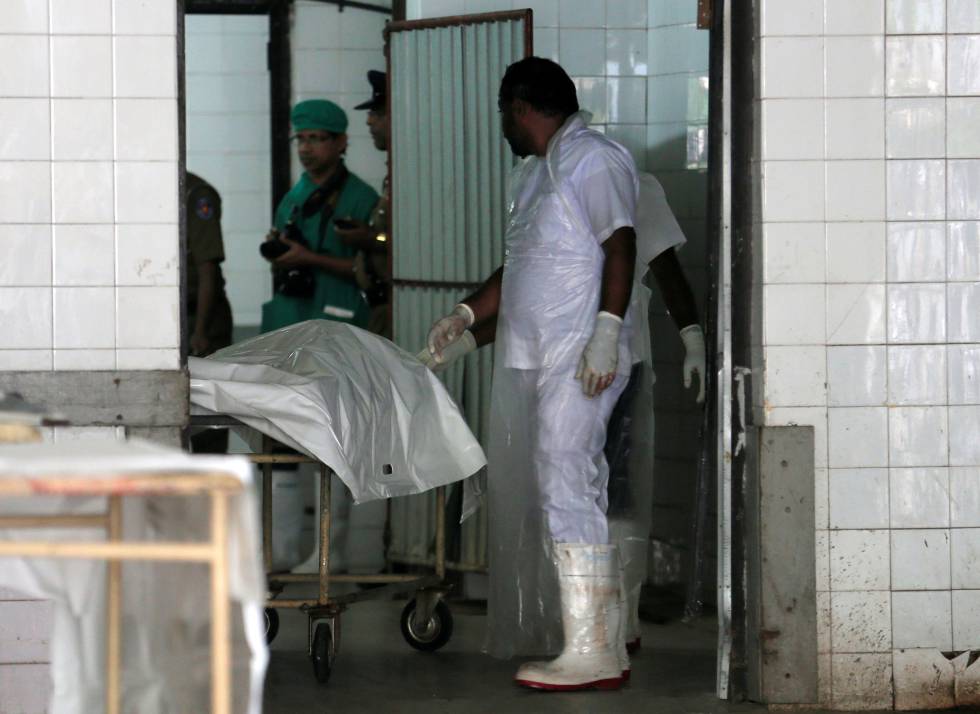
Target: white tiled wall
<point>332,53</point>
<point>871,177</point>
<point>88,173</point>
<point>676,152</point>
<point>228,144</point>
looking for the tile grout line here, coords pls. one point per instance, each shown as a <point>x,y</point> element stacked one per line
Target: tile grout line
<point>827,447</point>
<point>886,366</point>
<point>115,154</point>
<point>949,505</point>
<point>51,206</point>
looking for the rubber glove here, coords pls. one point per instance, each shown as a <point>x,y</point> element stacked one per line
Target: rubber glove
<point>448,330</point>
<point>452,352</point>
<point>694,360</point>
<point>597,367</point>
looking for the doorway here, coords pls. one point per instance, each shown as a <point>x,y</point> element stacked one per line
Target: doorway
<point>685,162</point>
<point>228,144</point>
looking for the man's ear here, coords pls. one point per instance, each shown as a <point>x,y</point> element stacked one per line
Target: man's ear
<point>520,108</point>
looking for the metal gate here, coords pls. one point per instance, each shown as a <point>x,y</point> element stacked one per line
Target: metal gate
<point>448,169</point>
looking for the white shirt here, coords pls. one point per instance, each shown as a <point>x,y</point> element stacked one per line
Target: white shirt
<point>563,207</point>
<point>657,230</point>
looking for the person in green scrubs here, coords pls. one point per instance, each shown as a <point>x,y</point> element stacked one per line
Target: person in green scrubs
<point>325,193</point>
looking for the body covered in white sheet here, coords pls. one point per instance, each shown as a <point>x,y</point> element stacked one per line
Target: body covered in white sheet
<point>355,401</point>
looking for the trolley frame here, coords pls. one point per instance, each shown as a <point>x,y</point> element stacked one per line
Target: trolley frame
<point>429,588</point>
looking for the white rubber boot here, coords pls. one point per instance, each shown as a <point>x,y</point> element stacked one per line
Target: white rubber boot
<point>633,546</point>
<point>633,552</point>
<point>588,578</point>
<point>621,621</point>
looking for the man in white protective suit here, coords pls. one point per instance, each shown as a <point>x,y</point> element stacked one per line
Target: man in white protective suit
<point>559,311</point>
<point>629,444</point>
<point>555,308</point>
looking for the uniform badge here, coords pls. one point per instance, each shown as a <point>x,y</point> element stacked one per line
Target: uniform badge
<point>203,208</point>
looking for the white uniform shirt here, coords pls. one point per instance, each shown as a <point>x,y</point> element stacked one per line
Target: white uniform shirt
<point>657,230</point>
<point>553,269</point>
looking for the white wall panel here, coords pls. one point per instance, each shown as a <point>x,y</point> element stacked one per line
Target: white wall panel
<point>61,179</point>
<point>228,145</point>
<point>900,270</point>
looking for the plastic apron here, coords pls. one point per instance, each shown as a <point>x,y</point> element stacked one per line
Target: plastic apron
<point>549,299</point>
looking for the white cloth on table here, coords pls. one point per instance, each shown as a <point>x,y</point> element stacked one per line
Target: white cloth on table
<point>165,607</point>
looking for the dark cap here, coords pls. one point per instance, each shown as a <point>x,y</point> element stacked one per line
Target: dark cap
<point>379,89</point>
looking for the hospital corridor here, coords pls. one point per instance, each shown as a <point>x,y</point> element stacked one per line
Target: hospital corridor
<point>480,356</point>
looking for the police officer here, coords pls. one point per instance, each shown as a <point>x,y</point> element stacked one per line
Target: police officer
<point>208,311</point>
<point>316,271</point>
<point>371,238</point>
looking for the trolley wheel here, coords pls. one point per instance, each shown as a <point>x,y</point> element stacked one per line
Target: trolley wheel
<point>322,654</point>
<point>271,625</point>
<point>436,631</point>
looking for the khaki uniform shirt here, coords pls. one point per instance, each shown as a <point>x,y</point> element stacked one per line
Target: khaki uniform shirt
<point>204,244</point>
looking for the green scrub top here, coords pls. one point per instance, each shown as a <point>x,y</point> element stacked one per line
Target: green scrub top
<point>335,298</point>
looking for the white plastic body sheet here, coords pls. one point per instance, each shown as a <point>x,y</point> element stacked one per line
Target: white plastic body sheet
<point>165,606</point>
<point>368,410</point>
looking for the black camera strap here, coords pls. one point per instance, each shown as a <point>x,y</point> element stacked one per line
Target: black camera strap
<point>324,199</point>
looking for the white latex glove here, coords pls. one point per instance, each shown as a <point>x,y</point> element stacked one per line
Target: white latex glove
<point>452,352</point>
<point>597,367</point>
<point>448,330</point>
<point>693,339</point>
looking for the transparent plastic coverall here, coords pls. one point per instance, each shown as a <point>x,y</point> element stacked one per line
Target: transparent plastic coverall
<point>547,479</point>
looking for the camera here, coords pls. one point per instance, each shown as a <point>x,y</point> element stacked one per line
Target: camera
<point>297,282</point>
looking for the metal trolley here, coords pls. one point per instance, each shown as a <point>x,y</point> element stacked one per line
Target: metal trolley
<point>426,621</point>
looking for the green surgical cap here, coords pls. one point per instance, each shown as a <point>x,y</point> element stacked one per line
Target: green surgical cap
<point>318,114</point>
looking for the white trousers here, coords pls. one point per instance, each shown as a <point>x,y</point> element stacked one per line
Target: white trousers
<point>546,484</point>
<point>569,464</point>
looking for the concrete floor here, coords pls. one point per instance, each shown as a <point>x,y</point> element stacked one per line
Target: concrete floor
<point>377,672</point>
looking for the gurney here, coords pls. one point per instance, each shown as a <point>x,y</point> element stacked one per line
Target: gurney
<point>362,409</point>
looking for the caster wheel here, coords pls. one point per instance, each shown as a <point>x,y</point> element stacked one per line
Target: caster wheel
<point>322,654</point>
<point>271,625</point>
<point>436,631</point>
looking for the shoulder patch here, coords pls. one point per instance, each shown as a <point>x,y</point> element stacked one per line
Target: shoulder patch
<point>203,208</point>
